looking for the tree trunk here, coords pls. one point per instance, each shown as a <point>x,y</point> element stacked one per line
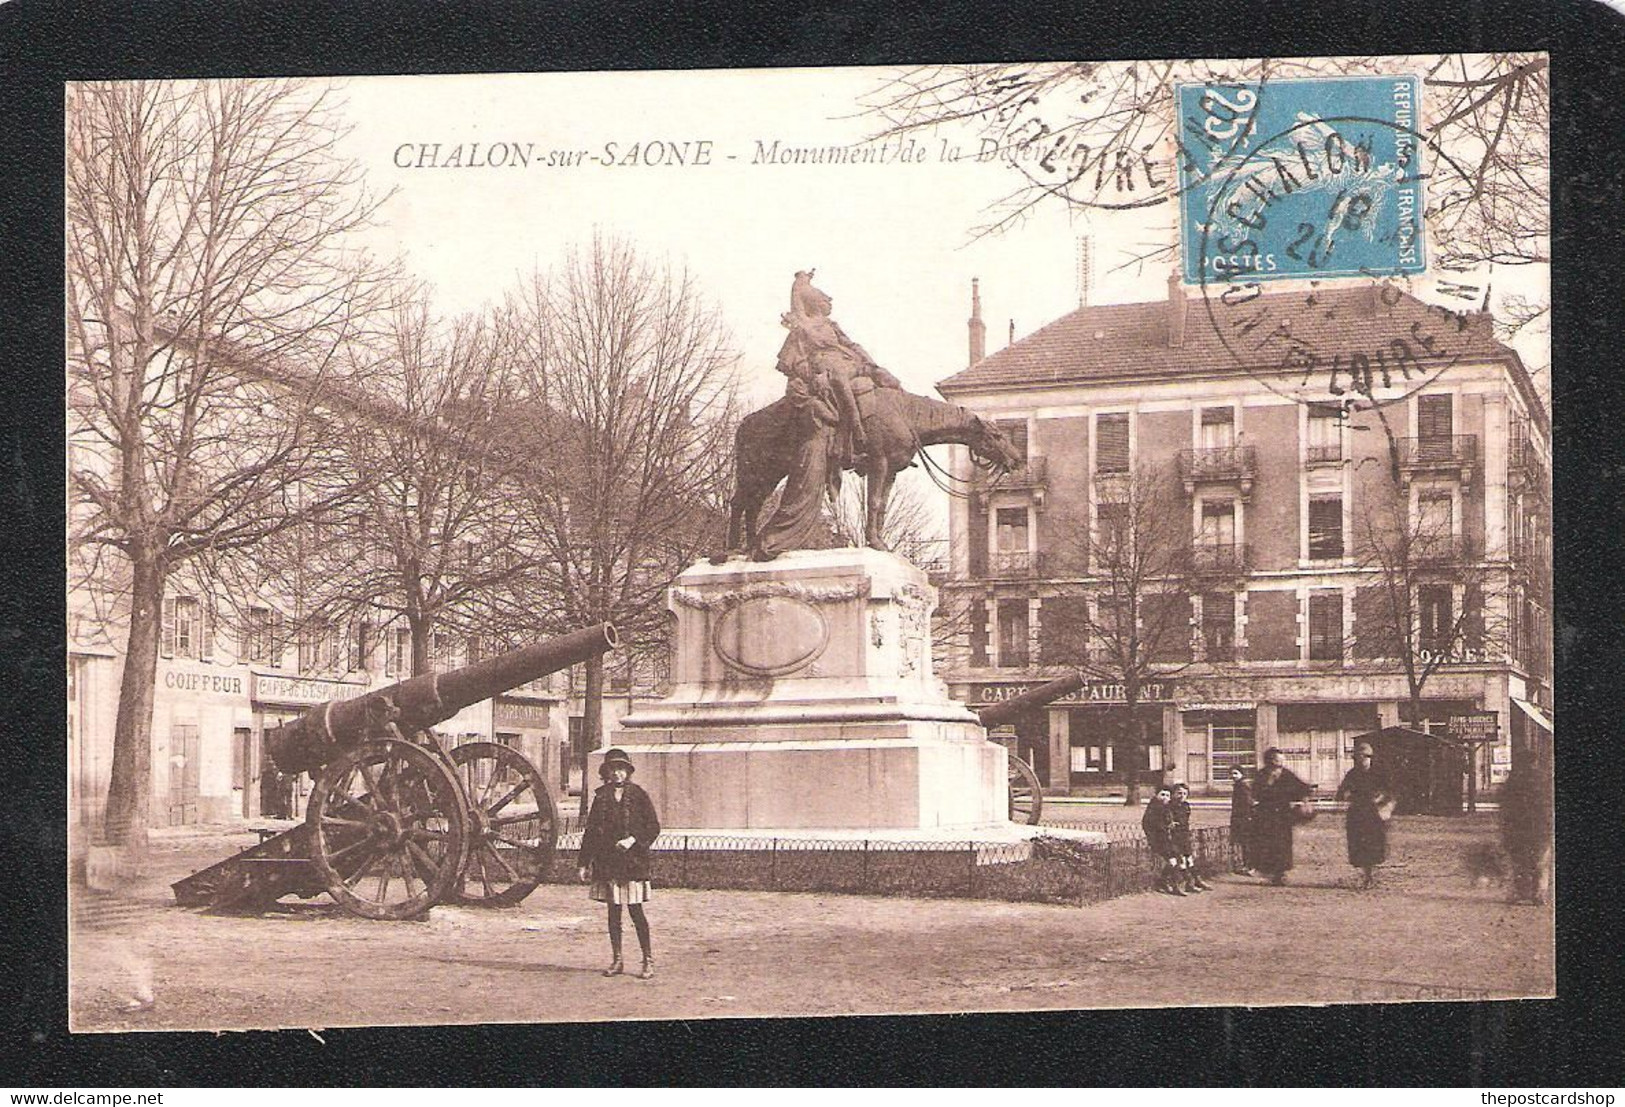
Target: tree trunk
<point>1136,739</point>
<point>129,792</point>
<point>592,719</point>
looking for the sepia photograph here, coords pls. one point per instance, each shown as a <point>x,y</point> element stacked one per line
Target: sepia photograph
<point>758,543</point>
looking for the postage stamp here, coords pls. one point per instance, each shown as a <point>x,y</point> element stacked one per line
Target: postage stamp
<point>1310,178</point>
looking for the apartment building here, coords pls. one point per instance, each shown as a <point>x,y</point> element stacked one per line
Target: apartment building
<point>1279,484</point>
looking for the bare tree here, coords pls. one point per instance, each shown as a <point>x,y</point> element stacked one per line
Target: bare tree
<point>913,526</point>
<point>1130,619</point>
<point>1433,603</point>
<point>207,293</point>
<point>434,538</point>
<point>629,422</point>
<point>1092,135</point>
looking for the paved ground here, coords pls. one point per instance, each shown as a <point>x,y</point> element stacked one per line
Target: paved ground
<point>1429,931</point>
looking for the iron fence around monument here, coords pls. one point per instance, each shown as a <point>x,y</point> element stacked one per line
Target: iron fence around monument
<point>1047,869</point>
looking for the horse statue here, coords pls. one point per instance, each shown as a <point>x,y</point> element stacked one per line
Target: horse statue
<point>897,426</point>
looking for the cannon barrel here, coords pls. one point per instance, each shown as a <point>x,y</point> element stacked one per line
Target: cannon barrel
<point>319,735</point>
<point>997,714</point>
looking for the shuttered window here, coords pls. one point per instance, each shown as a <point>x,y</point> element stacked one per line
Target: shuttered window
<point>1326,626</point>
<point>1326,527</point>
<point>1436,604</point>
<point>1434,426</point>
<point>1433,417</point>
<point>1219,625</point>
<point>1111,446</point>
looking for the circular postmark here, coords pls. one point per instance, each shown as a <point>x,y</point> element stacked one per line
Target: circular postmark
<point>1334,202</point>
<point>1105,144</point>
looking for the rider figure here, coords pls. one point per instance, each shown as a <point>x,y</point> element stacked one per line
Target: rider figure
<point>830,352</point>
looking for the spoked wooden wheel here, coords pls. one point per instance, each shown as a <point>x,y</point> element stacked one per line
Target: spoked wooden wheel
<point>389,829</point>
<point>1026,793</point>
<point>514,825</point>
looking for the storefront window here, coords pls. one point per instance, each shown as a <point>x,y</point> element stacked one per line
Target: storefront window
<point>1219,741</point>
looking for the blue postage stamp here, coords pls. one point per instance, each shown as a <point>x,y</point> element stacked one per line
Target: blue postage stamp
<point>1295,179</point>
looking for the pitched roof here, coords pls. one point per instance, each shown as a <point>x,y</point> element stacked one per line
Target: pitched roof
<point>1119,341</point>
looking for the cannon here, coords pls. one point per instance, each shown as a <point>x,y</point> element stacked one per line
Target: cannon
<point>395,823</point>
<point>1026,791</point>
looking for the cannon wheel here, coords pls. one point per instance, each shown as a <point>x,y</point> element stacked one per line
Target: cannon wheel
<point>514,825</point>
<point>389,829</point>
<point>1026,793</point>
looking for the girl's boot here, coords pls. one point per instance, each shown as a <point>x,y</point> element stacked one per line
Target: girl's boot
<point>648,972</point>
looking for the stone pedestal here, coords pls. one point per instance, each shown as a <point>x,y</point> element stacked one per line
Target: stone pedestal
<point>803,698</point>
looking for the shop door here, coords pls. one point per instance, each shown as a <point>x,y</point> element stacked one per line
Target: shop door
<point>1327,745</point>
<point>183,774</point>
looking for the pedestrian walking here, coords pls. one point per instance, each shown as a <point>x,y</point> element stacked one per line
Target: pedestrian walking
<point>1241,822</point>
<point>1179,824</point>
<point>1526,831</point>
<point>1280,803</point>
<point>621,826</point>
<point>1159,839</point>
<point>1370,799</point>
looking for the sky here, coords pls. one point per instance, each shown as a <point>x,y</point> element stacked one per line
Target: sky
<point>892,243</point>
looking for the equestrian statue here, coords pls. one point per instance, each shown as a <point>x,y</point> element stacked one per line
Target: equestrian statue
<point>840,412</point>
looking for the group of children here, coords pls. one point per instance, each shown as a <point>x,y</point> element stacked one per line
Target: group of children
<point>1167,826</point>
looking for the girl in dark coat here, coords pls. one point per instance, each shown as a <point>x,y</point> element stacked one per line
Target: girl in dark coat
<point>1367,791</point>
<point>1241,822</point>
<point>1276,790</point>
<point>621,826</point>
<point>1157,823</point>
<point>1179,822</point>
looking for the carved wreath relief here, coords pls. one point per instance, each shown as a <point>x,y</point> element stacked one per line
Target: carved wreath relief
<point>770,629</point>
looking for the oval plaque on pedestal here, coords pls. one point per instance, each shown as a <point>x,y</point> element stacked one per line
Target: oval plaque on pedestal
<point>770,635</point>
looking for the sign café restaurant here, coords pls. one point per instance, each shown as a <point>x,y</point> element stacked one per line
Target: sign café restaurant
<point>1078,744</point>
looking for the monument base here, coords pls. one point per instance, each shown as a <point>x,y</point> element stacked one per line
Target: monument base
<point>802,698</point>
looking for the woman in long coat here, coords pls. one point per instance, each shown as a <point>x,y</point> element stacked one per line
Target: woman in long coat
<point>1275,791</point>
<point>1241,822</point>
<point>621,826</point>
<point>1367,791</point>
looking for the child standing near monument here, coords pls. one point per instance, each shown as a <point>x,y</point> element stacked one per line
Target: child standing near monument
<point>1159,840</point>
<point>621,826</point>
<point>1179,823</point>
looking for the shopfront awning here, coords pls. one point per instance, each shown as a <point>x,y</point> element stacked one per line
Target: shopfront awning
<point>1536,714</point>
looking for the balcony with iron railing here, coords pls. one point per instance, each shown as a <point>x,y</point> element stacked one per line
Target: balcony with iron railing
<point>1031,477</point>
<point>1526,469</point>
<point>1441,549</point>
<point>1112,486</point>
<point>1014,564</point>
<point>1324,455</point>
<point>1220,557</point>
<point>1438,455</point>
<point>1218,463</point>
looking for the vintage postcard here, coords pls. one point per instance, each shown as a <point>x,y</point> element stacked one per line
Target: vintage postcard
<point>750,543</point>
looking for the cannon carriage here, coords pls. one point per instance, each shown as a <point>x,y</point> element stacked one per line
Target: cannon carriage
<point>396,823</point>
<point>1026,791</point>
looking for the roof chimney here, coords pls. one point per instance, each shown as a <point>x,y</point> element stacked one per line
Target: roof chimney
<point>978,329</point>
<point>1176,310</point>
<point>1086,270</point>
<point>1011,341</point>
